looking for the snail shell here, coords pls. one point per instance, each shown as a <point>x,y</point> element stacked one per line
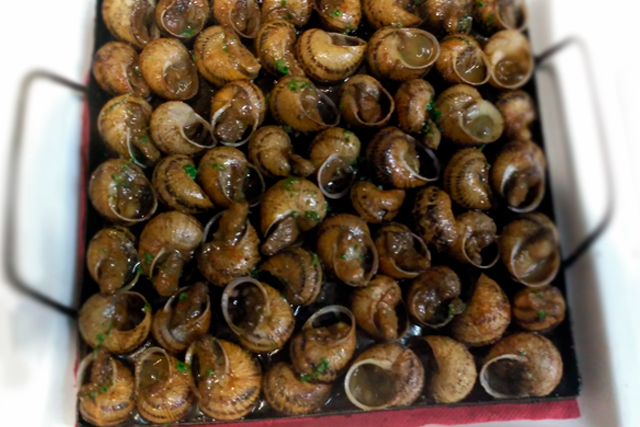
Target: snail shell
<point>342,16</point>
<point>299,271</point>
<point>402,254</point>
<point>462,60</point>
<point>329,57</point>
<point>413,117</point>
<point>297,103</point>
<point>456,370</point>
<point>289,395</point>
<point>182,19</point>
<point>434,297</point>
<point>107,398</point>
<point>233,250</point>
<point>509,53</point>
<point>384,375</point>
<point>297,12</point>
<point>131,21</point>
<point>267,323</point>
<point>289,207</point>
<point>238,109</point>
<point>221,57</point>
<point>163,386</point>
<point>529,247</point>
<point>375,205</point>
<point>466,179</point>
<point>519,112</point>
<point>379,309</point>
<point>123,124</point>
<point>321,353</point>
<point>382,13</point>
<point>334,153</point>
<point>167,67</point>
<point>477,240</point>
<point>229,380</point>
<point>121,192</point>
<point>449,16</point>
<point>518,175</point>
<point>116,70</point>
<point>271,151</point>
<point>402,53</point>
<point>185,316</point>
<point>167,243</point>
<point>112,259</point>
<point>174,178</point>
<point>120,322</point>
<point>177,129</point>
<point>364,102</point>
<point>394,161</point>
<point>467,118</point>
<point>539,309</point>
<point>494,15</point>
<point>487,315</point>
<point>275,44</point>
<point>434,218</point>
<point>242,16</point>
<point>347,250</point>
<point>521,365</point>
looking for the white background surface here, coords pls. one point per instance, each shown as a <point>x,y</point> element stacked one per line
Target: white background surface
<point>37,346</point>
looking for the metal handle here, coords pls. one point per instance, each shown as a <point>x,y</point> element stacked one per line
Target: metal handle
<point>599,230</point>
<point>9,243</point>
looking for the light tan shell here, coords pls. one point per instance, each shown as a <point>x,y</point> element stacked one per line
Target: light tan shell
<point>115,67</point>
<point>495,15</point>
<point>297,12</point>
<point>177,129</point>
<point>398,252</point>
<point>376,205</point>
<point>466,179</point>
<point>182,19</point>
<point>462,60</point>
<point>112,259</point>
<point>299,272</point>
<point>434,218</point>
<point>131,21</point>
<point>271,151</point>
<point>243,17</point>
<point>509,54</point>
<point>289,395</point>
<point>236,108</point>
<point>334,153</point>
<point>477,238</point>
<point>383,13</point>
<point>167,67</point>
<point>448,16</point>
<point>275,45</point>
<point>519,112</point>
<point>364,102</point>
<point>175,186</point>
<point>342,16</point>
<point>413,117</point>
<point>456,374</point>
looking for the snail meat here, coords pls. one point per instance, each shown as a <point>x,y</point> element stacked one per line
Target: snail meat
<point>271,151</point>
<point>289,394</point>
<point>364,102</point>
<point>243,16</point>
<point>334,154</point>
<point>238,109</point>
<point>434,297</point>
<point>174,180</point>
<point>401,253</point>
<point>131,21</point>
<point>182,19</point>
<point>539,309</point>
<point>376,205</point>
<point>299,271</point>
<point>477,241</point>
<point>379,309</point>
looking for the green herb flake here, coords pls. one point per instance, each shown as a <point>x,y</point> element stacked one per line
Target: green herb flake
<point>320,369</point>
<point>191,171</point>
<point>305,378</point>
<point>144,139</point>
<point>95,353</point>
<point>283,3</point>
<point>254,272</point>
<point>348,29</point>
<point>146,308</point>
<point>217,166</point>
<point>482,147</point>
<point>541,315</point>
<point>286,280</point>
<point>183,296</point>
<point>430,135</point>
<point>182,367</point>
<point>93,394</point>
<point>139,269</point>
<point>104,389</point>
<point>538,294</point>
<point>100,338</point>
<point>288,184</point>
<point>522,352</point>
<point>293,85</point>
<point>314,259</point>
<point>426,128</point>
<point>147,258</point>
<point>343,256</point>
<point>225,48</point>
<point>287,128</point>
<point>193,56</point>
<point>481,3</point>
<point>336,13</point>
<point>282,68</point>
<point>294,214</point>
<point>398,25</point>
<point>489,21</point>
<point>209,372</point>
<point>380,187</point>
<point>417,2</point>
<point>288,16</point>
<point>187,32</point>
<point>434,112</point>
<point>312,215</point>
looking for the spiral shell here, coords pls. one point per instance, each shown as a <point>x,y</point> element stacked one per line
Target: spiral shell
<point>434,218</point>
<point>448,16</point>
<point>539,309</point>
<point>401,254</point>
<point>299,271</point>
<point>116,70</point>
<point>456,370</point>
<point>462,60</point>
<point>271,151</point>
<point>477,240</point>
<point>177,129</point>
<point>334,153</point>
<point>509,53</point>
<point>242,16</point>
<point>434,297</point>
<point>131,22</point>
<point>289,395</point>
<point>466,179</point>
<point>297,12</point>
<point>173,179</point>
<point>364,102</point>
<point>112,259</point>
<point>342,16</point>
<point>167,67</point>
<point>519,112</point>
<point>413,117</point>
<point>238,109</point>
<point>494,15</point>
<point>379,309</point>
<point>183,19</point>
<point>275,45</point>
<point>382,13</point>
<point>375,205</point>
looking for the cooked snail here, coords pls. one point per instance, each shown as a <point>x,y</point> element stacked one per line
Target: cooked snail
<point>477,242</point>
<point>334,153</point>
<point>167,243</point>
<point>289,394</point>
<point>487,315</point>
<point>233,250</point>
<point>321,353</point>
<point>518,175</point>
<point>519,112</point>
<point>261,317</point>
<point>401,254</point>
<point>456,372</point>
<point>529,247</point>
<point>185,316</point>
<point>347,250</point>
<point>434,218</point>
<point>112,259</point>
<point>384,375</point>
<point>509,53</point>
<point>120,323</point>
<point>243,16</point>
<point>467,118</point>
<point>174,180</point>
<point>121,192</point>
<point>416,115</point>
<point>466,179</point>
<point>229,379</point>
<point>382,13</point>
<point>449,16</point>
<point>297,12</point>
<point>402,53</point>
<point>271,152</point>
<point>342,16</point>
<point>496,15</point>
<point>131,22</point>
<point>375,205</point>
<point>221,57</point>
<point>123,124</point>
<point>364,102</point>
<point>299,271</point>
<point>116,70</point>
<point>107,396</point>
<point>297,103</point>
<point>434,297</point>
<point>394,161</point>
<point>521,365</point>
<point>540,309</point>
<point>167,67</point>
<point>163,386</point>
<point>290,207</point>
<point>177,129</point>
<point>329,57</point>
<point>379,309</point>
<point>275,45</point>
<point>238,109</point>
<point>183,19</point>
<point>462,60</point>
<point>227,177</point>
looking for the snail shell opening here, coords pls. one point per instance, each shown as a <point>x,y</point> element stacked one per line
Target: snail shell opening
<point>370,384</point>
<point>509,53</point>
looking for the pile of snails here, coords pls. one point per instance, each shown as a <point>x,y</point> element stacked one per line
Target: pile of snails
<point>297,234</point>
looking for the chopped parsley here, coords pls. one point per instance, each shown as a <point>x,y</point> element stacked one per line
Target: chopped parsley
<point>100,338</point>
<point>336,13</point>
<point>193,56</point>
<point>295,84</point>
<point>187,32</point>
<point>147,307</point>
<point>254,272</point>
<point>283,3</point>
<point>343,256</point>
<point>183,296</point>
<point>490,19</point>
<point>398,25</point>
<point>314,258</point>
<point>380,187</point>
<point>182,367</point>
<point>417,2</point>
<point>426,128</point>
<point>541,315</point>
<point>434,112</point>
<point>209,372</point>
<point>103,389</point>
<point>312,215</point>
<point>217,166</point>
<point>93,394</point>
<point>282,68</point>
<point>288,16</point>
<point>294,214</point>
<point>481,3</point>
<point>538,294</point>
<point>225,48</point>
<point>147,258</point>
<point>288,184</point>
<point>287,128</point>
<point>144,139</point>
<point>286,280</point>
<point>482,147</point>
<point>191,171</point>
<point>320,369</point>
<point>348,28</point>
<point>522,352</point>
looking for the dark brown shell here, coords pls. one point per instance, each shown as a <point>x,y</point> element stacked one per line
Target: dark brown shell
<point>168,68</point>
<point>477,240</point>
<point>112,259</point>
<point>466,179</point>
<point>342,16</point>
<point>364,102</point>
<point>413,117</point>
<point>539,309</point>
<point>243,17</point>
<point>177,129</point>
<point>375,205</point>
<point>300,273</point>
<point>519,112</point>
<point>297,12</point>
<point>271,151</point>
<point>379,309</point>
<point>237,110</point>
<point>434,218</point>
<point>401,254</point>
<point>462,60</point>
<point>115,67</point>
<point>456,374</point>
<point>182,19</point>
<point>275,46</point>
<point>287,394</point>
<point>174,181</point>
<point>449,16</point>
<point>131,22</point>
<point>434,297</point>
